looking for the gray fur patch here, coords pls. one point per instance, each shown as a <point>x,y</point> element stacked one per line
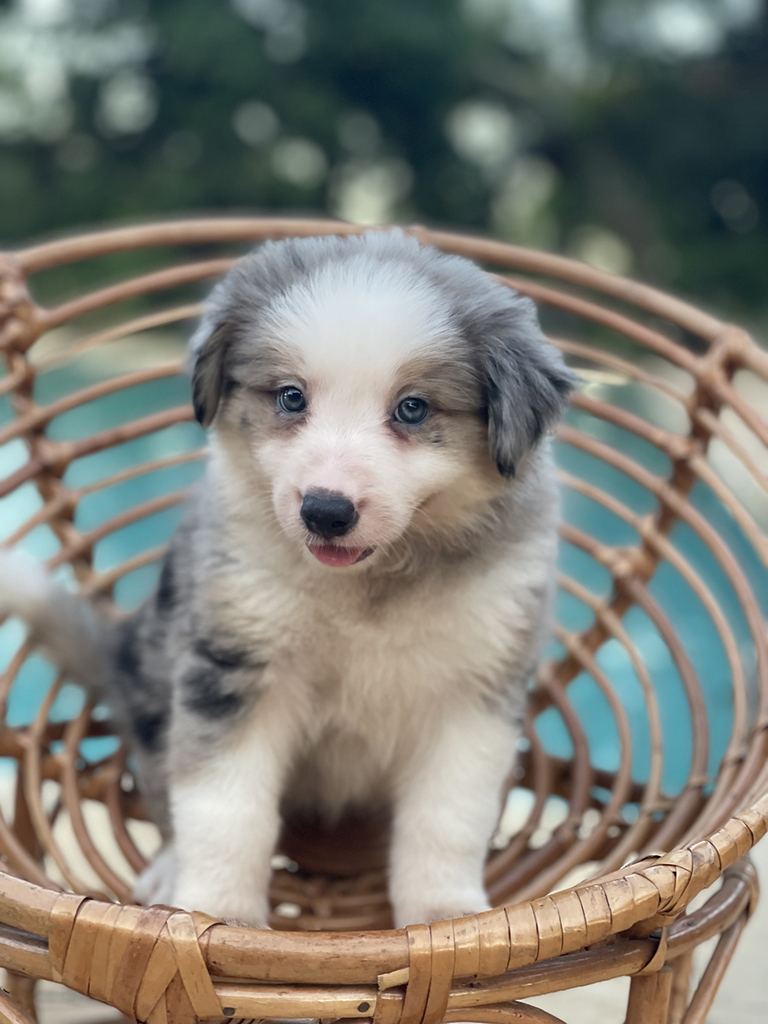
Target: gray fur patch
<point>165,595</point>
<point>206,693</point>
<point>526,385</point>
<point>223,655</point>
<point>127,654</point>
<point>149,729</point>
<point>223,678</point>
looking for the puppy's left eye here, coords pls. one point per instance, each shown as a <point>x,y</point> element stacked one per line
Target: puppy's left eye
<point>411,410</point>
<point>291,399</point>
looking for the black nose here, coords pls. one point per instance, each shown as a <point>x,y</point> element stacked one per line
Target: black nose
<point>328,513</point>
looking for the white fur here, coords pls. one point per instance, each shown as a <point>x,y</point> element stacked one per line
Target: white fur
<point>226,822</point>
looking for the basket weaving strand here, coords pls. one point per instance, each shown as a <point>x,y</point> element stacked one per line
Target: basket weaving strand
<point>659,653</point>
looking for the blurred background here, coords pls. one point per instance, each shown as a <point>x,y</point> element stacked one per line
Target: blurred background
<point>632,134</point>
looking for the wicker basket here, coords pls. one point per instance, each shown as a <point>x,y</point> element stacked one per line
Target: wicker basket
<point>660,653</point>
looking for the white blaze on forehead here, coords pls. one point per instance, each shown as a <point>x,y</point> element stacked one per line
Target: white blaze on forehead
<point>360,322</point>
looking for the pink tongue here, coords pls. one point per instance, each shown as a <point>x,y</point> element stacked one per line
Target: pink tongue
<point>330,555</point>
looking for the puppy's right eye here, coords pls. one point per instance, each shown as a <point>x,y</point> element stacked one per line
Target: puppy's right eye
<point>411,410</point>
<point>291,399</point>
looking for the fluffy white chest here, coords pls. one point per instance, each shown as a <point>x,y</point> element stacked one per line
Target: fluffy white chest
<point>353,660</point>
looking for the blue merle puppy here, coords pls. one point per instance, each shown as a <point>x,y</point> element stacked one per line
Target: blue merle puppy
<point>362,586</point>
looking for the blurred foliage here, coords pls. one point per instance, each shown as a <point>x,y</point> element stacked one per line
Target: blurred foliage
<point>631,133</point>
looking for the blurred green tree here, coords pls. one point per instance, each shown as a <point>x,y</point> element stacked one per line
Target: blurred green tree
<point>631,133</point>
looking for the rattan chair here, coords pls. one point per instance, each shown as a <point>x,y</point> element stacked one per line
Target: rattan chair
<point>660,654</point>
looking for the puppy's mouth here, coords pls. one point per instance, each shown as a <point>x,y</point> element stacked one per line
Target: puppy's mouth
<point>338,557</point>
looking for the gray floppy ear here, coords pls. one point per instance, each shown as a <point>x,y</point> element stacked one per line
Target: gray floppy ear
<point>208,347</point>
<point>527,384</point>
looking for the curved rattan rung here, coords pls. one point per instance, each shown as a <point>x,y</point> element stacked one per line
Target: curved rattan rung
<point>684,511</point>
<point>716,428</point>
<point>181,233</point>
<point>127,329</point>
<point>31,778</point>
<point>104,583</point>
<point>84,542</point>
<point>682,399</point>
<point>40,416</point>
<point>483,250</point>
<point>7,677</point>
<point>634,293</point>
<point>650,801</point>
<point>621,324</point>
<point>141,470</point>
<point>686,672</point>
<point>73,735</point>
<point>158,281</point>
<point>66,500</point>
<point>14,378</point>
<point>627,370</point>
<point>664,549</point>
<point>725,392</point>
<point>72,450</point>
<point>745,520</point>
<point>62,453</point>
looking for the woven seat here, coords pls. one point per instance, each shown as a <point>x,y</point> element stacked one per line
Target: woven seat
<point>643,777</point>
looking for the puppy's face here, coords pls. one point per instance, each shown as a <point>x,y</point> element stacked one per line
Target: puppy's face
<point>361,412</point>
<point>360,396</point>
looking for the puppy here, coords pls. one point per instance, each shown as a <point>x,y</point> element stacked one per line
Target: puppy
<point>360,592</point>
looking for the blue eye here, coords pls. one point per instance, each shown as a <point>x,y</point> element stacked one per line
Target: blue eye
<point>291,400</point>
<point>411,411</point>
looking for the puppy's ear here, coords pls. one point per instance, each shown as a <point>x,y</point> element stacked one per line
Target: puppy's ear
<point>526,383</point>
<point>208,347</point>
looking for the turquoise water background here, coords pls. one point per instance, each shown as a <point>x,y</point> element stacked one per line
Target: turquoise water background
<point>668,588</point>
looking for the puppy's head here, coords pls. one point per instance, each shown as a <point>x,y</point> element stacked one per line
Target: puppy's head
<point>375,386</point>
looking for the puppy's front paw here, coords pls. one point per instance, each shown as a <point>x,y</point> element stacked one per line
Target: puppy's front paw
<point>240,910</point>
<point>440,907</point>
<point>156,881</point>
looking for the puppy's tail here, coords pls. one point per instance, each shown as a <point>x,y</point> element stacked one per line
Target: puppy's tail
<point>66,626</point>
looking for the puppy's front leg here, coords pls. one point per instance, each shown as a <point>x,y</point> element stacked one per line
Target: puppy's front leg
<point>226,820</point>
<point>445,812</point>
